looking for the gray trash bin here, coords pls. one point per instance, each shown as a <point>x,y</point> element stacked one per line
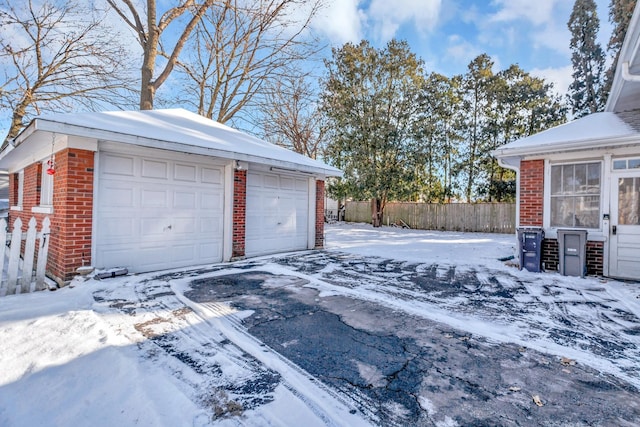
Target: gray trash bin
<point>572,250</point>
<point>530,240</point>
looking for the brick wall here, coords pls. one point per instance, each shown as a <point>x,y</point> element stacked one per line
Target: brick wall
<point>531,192</point>
<point>72,222</point>
<point>550,258</point>
<point>30,198</point>
<point>239,213</point>
<point>319,215</point>
<point>595,256</point>
<point>72,218</point>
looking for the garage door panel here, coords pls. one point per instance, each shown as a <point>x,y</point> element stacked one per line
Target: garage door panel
<point>211,176</point>
<point>184,199</point>
<point>302,185</point>
<point>184,225</point>
<point>117,165</point>
<point>211,225</point>
<point>154,169</point>
<point>154,199</point>
<point>211,201</point>
<point>277,213</point>
<point>287,183</point>
<point>117,195</point>
<point>157,213</point>
<point>117,228</point>
<point>185,173</point>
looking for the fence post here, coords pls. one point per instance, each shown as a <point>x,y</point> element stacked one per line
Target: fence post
<point>3,239</point>
<point>43,252</point>
<point>14,256</point>
<point>29,251</point>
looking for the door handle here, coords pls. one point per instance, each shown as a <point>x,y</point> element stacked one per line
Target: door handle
<point>614,229</point>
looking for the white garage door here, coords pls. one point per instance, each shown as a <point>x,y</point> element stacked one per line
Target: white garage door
<point>155,213</point>
<point>277,213</point>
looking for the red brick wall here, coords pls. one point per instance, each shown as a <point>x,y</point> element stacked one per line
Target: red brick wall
<point>319,214</point>
<point>72,218</point>
<point>71,226</point>
<point>550,257</point>
<point>239,213</point>
<point>30,198</point>
<point>531,192</point>
<point>595,258</point>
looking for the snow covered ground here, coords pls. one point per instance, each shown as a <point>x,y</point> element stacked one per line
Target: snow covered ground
<point>136,351</point>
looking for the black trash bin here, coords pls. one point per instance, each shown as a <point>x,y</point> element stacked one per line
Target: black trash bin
<point>530,246</point>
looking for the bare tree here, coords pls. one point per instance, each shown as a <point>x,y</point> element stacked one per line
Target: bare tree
<point>56,54</point>
<point>240,46</point>
<point>290,117</point>
<point>149,32</point>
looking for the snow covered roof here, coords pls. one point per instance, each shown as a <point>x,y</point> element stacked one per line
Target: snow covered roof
<point>618,126</point>
<point>172,129</point>
<point>592,131</point>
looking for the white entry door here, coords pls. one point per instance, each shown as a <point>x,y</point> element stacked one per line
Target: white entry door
<point>277,213</point>
<point>157,213</point>
<point>624,258</point>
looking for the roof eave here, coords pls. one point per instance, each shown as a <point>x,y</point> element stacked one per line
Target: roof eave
<point>101,134</point>
<point>570,146</point>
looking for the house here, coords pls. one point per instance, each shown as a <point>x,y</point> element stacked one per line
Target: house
<point>150,190</point>
<point>585,175</point>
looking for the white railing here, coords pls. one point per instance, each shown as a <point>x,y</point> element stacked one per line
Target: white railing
<point>18,273</point>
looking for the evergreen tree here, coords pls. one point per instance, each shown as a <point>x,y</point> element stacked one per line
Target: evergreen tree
<point>586,94</point>
<point>371,100</point>
<point>620,12</point>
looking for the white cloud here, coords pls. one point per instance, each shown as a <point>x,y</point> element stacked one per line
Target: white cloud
<point>560,77</point>
<point>340,21</point>
<point>537,12</point>
<point>460,50</point>
<point>387,17</point>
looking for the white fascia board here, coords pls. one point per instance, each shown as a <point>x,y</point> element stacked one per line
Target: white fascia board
<point>104,135</point>
<point>629,54</point>
<point>566,147</point>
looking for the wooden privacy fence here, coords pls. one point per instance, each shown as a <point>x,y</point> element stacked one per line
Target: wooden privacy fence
<point>475,217</point>
<point>18,272</point>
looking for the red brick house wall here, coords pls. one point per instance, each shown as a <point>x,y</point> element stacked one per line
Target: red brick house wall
<point>239,213</point>
<point>531,192</point>
<point>72,218</point>
<point>319,215</point>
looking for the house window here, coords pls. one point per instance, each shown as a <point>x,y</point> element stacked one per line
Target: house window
<point>46,187</point>
<point>575,195</point>
<point>18,191</point>
<point>626,164</point>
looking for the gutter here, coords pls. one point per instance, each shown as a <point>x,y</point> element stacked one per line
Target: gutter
<point>587,144</point>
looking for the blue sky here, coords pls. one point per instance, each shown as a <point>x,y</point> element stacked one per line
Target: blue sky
<point>448,34</point>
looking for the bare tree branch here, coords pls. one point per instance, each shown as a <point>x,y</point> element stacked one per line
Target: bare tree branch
<point>239,47</point>
<point>57,54</point>
<point>150,38</point>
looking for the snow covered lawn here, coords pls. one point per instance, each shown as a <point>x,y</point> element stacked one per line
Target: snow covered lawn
<point>218,345</point>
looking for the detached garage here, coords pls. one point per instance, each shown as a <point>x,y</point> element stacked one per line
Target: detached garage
<point>151,190</point>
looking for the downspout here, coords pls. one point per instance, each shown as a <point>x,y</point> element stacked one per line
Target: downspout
<point>626,74</point>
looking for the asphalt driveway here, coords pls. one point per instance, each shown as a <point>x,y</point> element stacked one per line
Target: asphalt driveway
<point>426,345</point>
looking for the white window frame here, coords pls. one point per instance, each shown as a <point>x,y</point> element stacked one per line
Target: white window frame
<point>46,191</point>
<point>547,191</point>
<point>20,201</point>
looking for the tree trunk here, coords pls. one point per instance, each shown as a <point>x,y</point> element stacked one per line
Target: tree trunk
<point>376,212</point>
<point>17,117</point>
